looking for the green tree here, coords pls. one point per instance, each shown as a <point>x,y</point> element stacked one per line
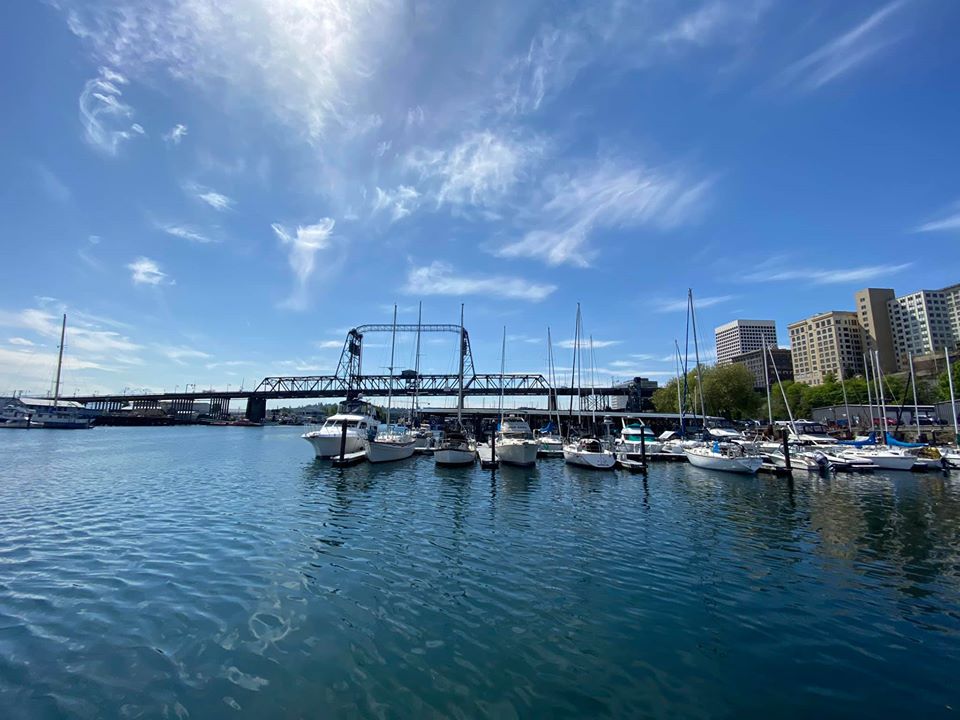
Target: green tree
<point>728,392</point>
<point>943,382</point>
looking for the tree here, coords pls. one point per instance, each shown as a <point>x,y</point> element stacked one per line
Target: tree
<point>943,382</point>
<point>728,391</point>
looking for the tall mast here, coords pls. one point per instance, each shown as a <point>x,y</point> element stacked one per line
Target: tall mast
<point>503,360</point>
<point>786,402</point>
<point>460,373</point>
<point>843,389</point>
<point>866,376</point>
<point>679,400</point>
<point>552,380</point>
<point>393,343</point>
<point>56,388</point>
<point>953,399</point>
<point>696,350</point>
<point>882,400</point>
<point>416,366</point>
<point>766,382</point>
<point>593,384</point>
<point>573,369</point>
<point>913,383</point>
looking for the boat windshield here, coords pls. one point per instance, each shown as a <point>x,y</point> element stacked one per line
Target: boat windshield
<point>339,423</point>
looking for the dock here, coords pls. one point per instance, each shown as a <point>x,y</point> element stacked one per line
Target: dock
<point>349,459</point>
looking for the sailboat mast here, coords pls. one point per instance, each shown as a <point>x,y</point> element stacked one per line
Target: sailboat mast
<point>786,402</point>
<point>882,400</point>
<point>766,382</point>
<point>866,376</point>
<point>503,360</point>
<point>56,388</point>
<point>573,369</point>
<point>593,384</point>
<point>416,366</point>
<point>843,389</point>
<point>679,400</point>
<point>460,373</point>
<point>953,399</point>
<point>696,350</point>
<point>913,383</point>
<point>552,380</point>
<point>393,344</point>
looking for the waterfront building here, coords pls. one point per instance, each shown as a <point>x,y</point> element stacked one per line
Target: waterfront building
<point>782,361</point>
<point>638,397</point>
<point>742,336</point>
<point>829,343</point>
<point>924,322</point>
<point>873,309</point>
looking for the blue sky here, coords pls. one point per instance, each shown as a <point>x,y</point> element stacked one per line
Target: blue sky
<point>216,191</point>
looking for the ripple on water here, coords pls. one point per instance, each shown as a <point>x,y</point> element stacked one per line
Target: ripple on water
<point>207,572</point>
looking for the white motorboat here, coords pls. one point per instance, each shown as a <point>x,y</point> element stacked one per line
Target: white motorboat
<point>726,457</point>
<point>515,442</point>
<point>951,456</point>
<point>456,448</point>
<point>799,459</point>
<point>326,441</point>
<point>635,440</point>
<point>589,452</point>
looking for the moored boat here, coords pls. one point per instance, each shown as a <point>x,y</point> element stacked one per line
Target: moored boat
<point>326,441</point>
<point>725,457</point>
<point>515,442</point>
<point>589,452</point>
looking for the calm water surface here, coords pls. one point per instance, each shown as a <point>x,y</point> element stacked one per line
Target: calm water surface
<point>222,572</point>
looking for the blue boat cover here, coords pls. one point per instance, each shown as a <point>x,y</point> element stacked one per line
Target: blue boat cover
<point>548,428</point>
<point>871,440</point>
<point>891,440</point>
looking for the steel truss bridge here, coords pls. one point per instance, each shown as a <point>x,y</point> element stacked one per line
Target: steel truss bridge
<point>349,382</point>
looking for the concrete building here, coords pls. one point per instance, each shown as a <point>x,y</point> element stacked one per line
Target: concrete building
<point>923,323</point>
<point>743,336</point>
<point>782,364</point>
<point>874,312</point>
<point>826,344</point>
<point>638,397</point>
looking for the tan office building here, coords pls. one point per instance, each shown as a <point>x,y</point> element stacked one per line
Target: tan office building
<point>873,310</point>
<point>830,343</point>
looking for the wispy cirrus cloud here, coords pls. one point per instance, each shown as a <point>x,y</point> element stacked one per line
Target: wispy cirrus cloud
<point>819,276</point>
<point>216,200</point>
<point>605,196</point>
<point>85,333</point>
<point>329,344</point>
<point>440,278</point>
<point>175,134</point>
<point>398,203</point>
<point>186,232</point>
<point>182,355</point>
<point>104,115</point>
<point>847,52</point>
<point>700,302</point>
<point>950,221</point>
<point>714,22</point>
<point>302,246</point>
<point>144,271</point>
<point>584,343</point>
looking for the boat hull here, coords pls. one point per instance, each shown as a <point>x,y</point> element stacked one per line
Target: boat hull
<point>383,451</point>
<point>523,453</point>
<point>593,460</point>
<point>454,456</point>
<point>886,461</point>
<point>327,446</point>
<point>747,465</point>
<point>549,448</point>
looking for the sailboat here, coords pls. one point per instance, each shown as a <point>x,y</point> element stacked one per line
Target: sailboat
<point>457,447</point>
<point>423,438</point>
<point>390,443</point>
<point>549,442</point>
<point>58,414</point>
<point>587,450</point>
<point>951,455</point>
<point>515,443</point>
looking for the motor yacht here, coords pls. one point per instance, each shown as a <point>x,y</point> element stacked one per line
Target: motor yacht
<point>515,442</point>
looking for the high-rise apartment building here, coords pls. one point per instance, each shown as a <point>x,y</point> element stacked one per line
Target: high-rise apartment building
<point>924,322</point>
<point>743,336</point>
<point>830,343</point>
<point>778,367</point>
<point>872,307</point>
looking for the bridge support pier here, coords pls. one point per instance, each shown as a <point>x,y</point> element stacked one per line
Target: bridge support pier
<point>219,407</point>
<point>256,409</point>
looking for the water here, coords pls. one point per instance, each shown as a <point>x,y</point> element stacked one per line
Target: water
<point>222,572</point>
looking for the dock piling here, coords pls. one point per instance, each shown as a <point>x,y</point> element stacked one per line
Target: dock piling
<point>785,437</point>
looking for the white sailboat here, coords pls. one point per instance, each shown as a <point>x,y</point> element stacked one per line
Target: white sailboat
<point>391,443</point>
<point>728,457</point>
<point>58,414</point>
<point>951,455</point>
<point>586,451</point>
<point>549,441</point>
<point>457,447</point>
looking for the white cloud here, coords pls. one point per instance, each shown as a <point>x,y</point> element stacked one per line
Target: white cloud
<point>478,171</point>
<point>439,278</point>
<point>180,355</point>
<point>303,244</point>
<point>828,277</point>
<point>714,22</point>
<point>84,331</point>
<point>145,271</point>
<point>950,222</point>
<point>185,232</point>
<point>20,341</point>
<point>175,134</point>
<point>845,53</point>
<point>584,343</point>
<point>399,202</point>
<point>329,344</point>
<point>216,200</point>
<point>605,196</point>
<point>700,302</point>
<point>104,115</point>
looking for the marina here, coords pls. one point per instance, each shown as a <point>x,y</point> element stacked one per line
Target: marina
<point>225,571</point>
